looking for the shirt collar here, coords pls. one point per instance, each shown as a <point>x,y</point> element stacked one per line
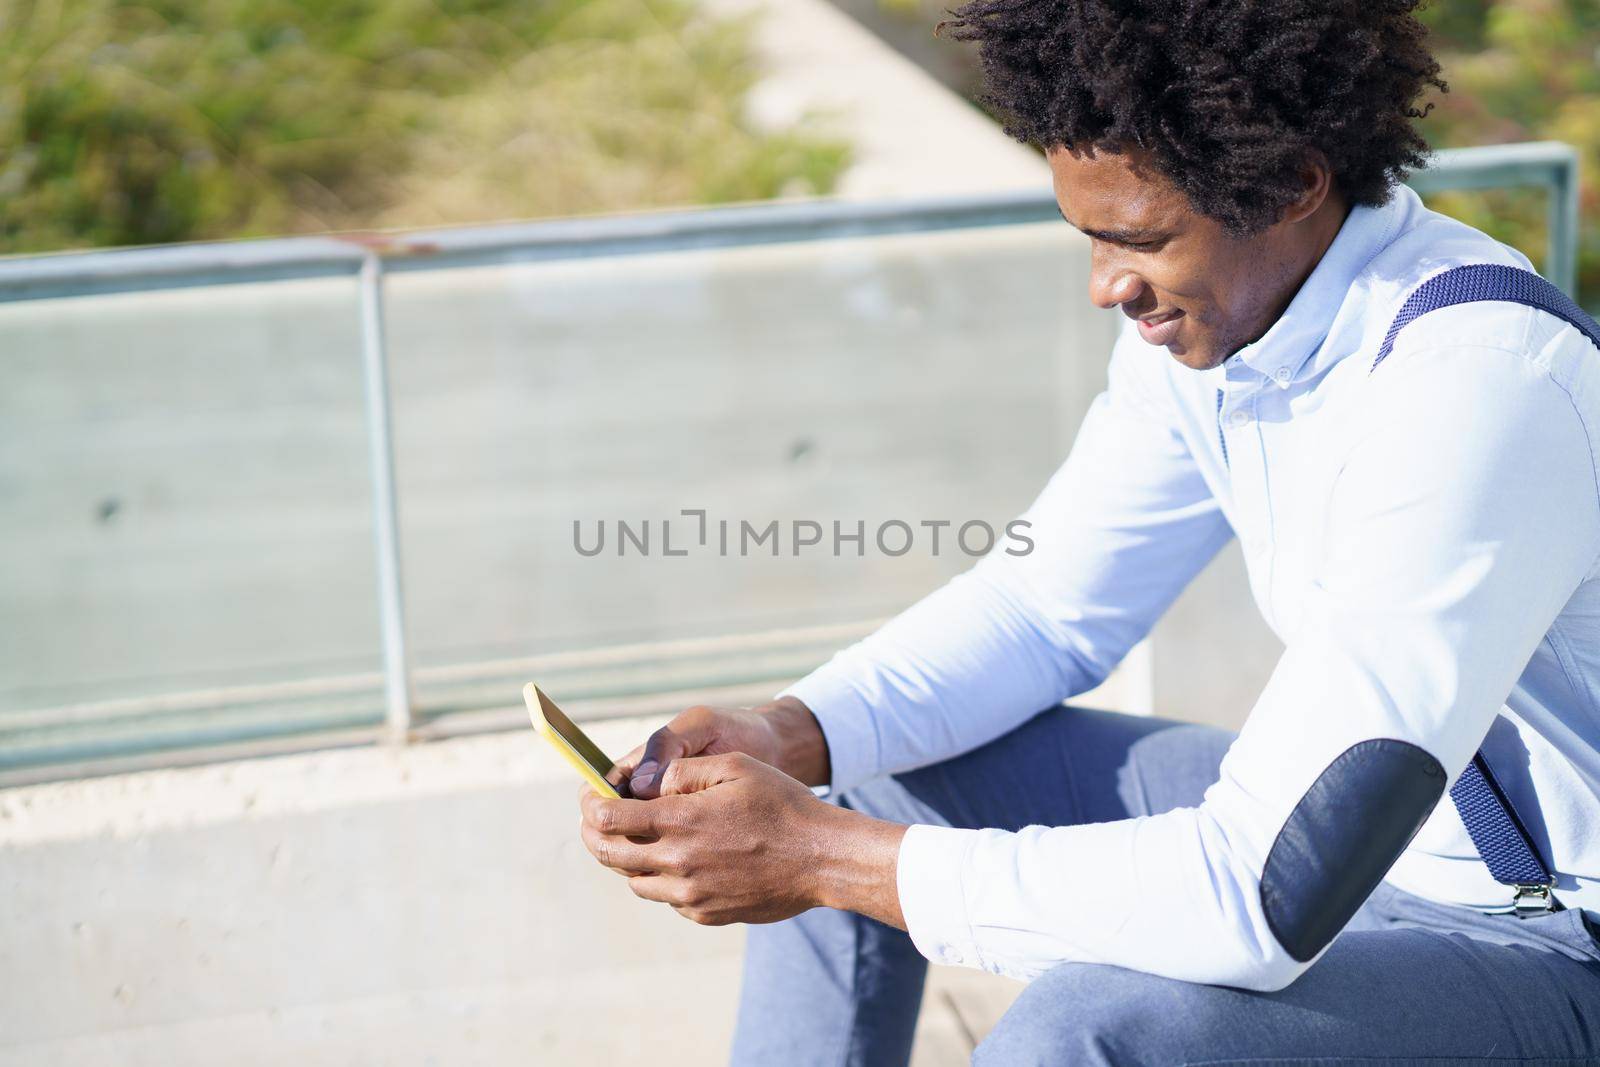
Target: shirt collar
<point>1279,353</point>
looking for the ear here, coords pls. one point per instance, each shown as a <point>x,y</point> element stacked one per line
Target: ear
<point>1316,185</point>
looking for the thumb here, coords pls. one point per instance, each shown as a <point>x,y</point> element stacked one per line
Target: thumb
<point>686,735</point>
<point>700,773</point>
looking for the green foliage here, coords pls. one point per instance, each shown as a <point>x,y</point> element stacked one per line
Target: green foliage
<point>1522,70</point>
<point>127,122</point>
<point>1458,25</point>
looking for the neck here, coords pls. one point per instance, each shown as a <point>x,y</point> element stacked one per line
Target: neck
<point>1312,238</point>
<point>1317,233</point>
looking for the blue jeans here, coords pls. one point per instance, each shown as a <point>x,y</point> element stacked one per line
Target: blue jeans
<point>1408,982</point>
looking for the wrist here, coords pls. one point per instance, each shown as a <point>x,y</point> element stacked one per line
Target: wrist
<point>800,749</point>
<point>857,866</point>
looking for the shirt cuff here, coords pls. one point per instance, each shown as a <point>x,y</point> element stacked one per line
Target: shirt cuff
<point>847,726</point>
<point>933,899</point>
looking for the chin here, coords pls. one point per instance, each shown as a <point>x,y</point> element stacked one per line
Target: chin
<point>1195,357</point>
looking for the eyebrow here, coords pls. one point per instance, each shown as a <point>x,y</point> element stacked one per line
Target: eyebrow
<point>1121,237</point>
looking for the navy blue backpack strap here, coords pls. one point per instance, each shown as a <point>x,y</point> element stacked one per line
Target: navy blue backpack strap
<point>1501,838</point>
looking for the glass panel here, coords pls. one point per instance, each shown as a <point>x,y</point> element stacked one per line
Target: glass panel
<point>184,505</point>
<point>919,378</point>
<point>183,477</point>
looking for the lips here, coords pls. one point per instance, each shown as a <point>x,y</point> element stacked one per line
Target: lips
<point>1161,330</point>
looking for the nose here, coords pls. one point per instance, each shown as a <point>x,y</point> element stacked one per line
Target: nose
<point>1110,283</point>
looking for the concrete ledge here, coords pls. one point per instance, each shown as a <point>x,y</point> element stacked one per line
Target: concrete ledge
<point>416,905</point>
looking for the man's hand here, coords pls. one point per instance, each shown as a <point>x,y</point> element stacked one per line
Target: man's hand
<point>732,839</point>
<point>783,734</point>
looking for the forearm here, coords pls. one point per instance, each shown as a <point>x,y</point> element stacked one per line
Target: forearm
<point>957,669</point>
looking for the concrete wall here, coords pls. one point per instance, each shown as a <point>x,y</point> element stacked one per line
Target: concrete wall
<point>1212,653</point>
<point>429,905</point>
<point>425,905</point>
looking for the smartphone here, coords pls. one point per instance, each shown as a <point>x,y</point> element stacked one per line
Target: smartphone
<point>573,744</point>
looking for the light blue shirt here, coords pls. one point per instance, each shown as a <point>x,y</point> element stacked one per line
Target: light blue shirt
<point>1423,538</point>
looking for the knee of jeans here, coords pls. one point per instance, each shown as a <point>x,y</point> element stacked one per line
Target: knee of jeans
<point>1101,1016</point>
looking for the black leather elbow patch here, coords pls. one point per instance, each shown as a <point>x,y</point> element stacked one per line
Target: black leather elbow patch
<point>1342,838</point>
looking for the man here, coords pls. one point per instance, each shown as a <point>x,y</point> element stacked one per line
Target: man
<point>1421,530</point>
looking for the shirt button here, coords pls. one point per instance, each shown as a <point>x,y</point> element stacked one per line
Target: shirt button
<point>1282,375</point>
<point>1238,418</point>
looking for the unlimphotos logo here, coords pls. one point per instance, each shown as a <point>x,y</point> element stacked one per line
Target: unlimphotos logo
<point>728,537</point>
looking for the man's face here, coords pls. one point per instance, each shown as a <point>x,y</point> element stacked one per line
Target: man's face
<point>1192,288</point>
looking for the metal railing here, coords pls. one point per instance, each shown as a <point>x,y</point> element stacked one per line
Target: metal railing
<point>1552,165</point>
<point>369,257</point>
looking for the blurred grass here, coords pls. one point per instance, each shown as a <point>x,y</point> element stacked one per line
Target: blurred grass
<point>167,120</point>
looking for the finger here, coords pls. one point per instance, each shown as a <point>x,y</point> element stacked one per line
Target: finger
<point>661,888</point>
<point>701,917</point>
<point>685,735</point>
<point>618,818</point>
<point>699,773</point>
<point>618,853</point>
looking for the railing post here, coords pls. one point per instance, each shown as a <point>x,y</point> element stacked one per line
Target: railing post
<point>1564,223</point>
<point>385,517</point>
